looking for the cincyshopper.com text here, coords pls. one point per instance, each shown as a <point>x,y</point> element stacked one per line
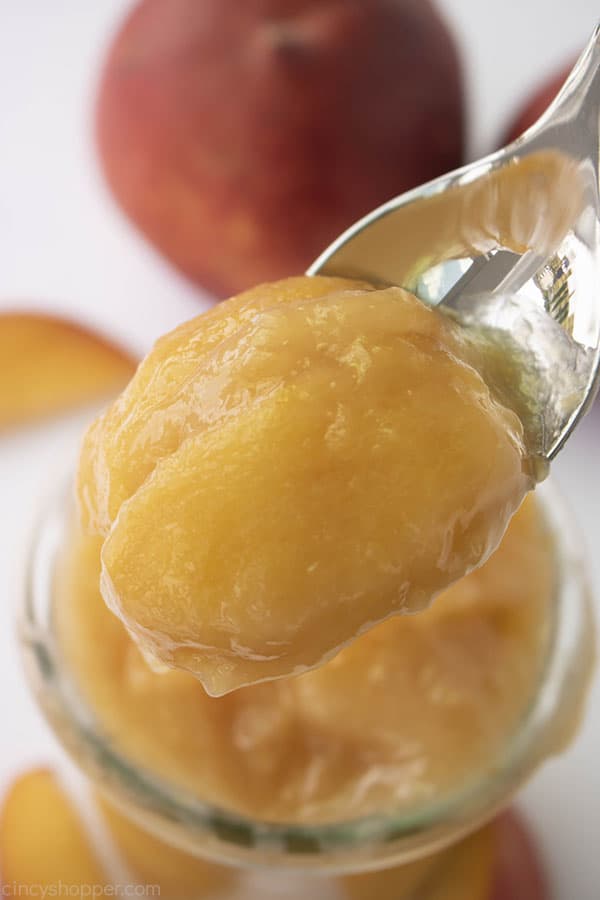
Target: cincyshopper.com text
<point>47,891</point>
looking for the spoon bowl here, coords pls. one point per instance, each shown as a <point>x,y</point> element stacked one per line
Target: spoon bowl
<point>510,246</point>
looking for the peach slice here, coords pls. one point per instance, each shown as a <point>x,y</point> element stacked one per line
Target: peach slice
<point>462,872</point>
<point>179,875</point>
<point>43,846</point>
<point>467,873</point>
<point>42,842</point>
<point>519,873</point>
<point>50,365</point>
<point>397,883</point>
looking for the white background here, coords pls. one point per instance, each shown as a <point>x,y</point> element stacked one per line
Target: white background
<point>65,247</point>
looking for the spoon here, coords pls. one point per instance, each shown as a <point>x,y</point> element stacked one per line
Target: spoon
<point>510,246</point>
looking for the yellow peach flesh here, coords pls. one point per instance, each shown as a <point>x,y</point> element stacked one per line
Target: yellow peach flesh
<point>290,469</point>
<point>404,715</point>
<point>50,365</point>
<point>42,842</point>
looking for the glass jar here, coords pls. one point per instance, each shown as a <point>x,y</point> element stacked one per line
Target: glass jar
<point>353,846</point>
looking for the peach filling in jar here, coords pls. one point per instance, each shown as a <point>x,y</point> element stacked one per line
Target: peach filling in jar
<point>408,712</point>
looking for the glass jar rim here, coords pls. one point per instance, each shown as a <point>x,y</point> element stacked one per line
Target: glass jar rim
<point>353,845</point>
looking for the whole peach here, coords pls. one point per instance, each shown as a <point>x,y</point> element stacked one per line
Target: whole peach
<point>242,137</point>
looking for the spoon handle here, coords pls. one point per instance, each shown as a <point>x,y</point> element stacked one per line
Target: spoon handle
<point>509,245</point>
<point>572,121</point>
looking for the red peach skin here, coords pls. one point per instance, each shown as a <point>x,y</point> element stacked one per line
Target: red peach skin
<point>519,872</point>
<point>242,137</point>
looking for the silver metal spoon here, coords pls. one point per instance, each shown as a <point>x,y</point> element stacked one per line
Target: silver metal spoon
<point>510,245</point>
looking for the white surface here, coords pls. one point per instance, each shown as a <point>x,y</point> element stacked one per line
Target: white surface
<point>64,246</point>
